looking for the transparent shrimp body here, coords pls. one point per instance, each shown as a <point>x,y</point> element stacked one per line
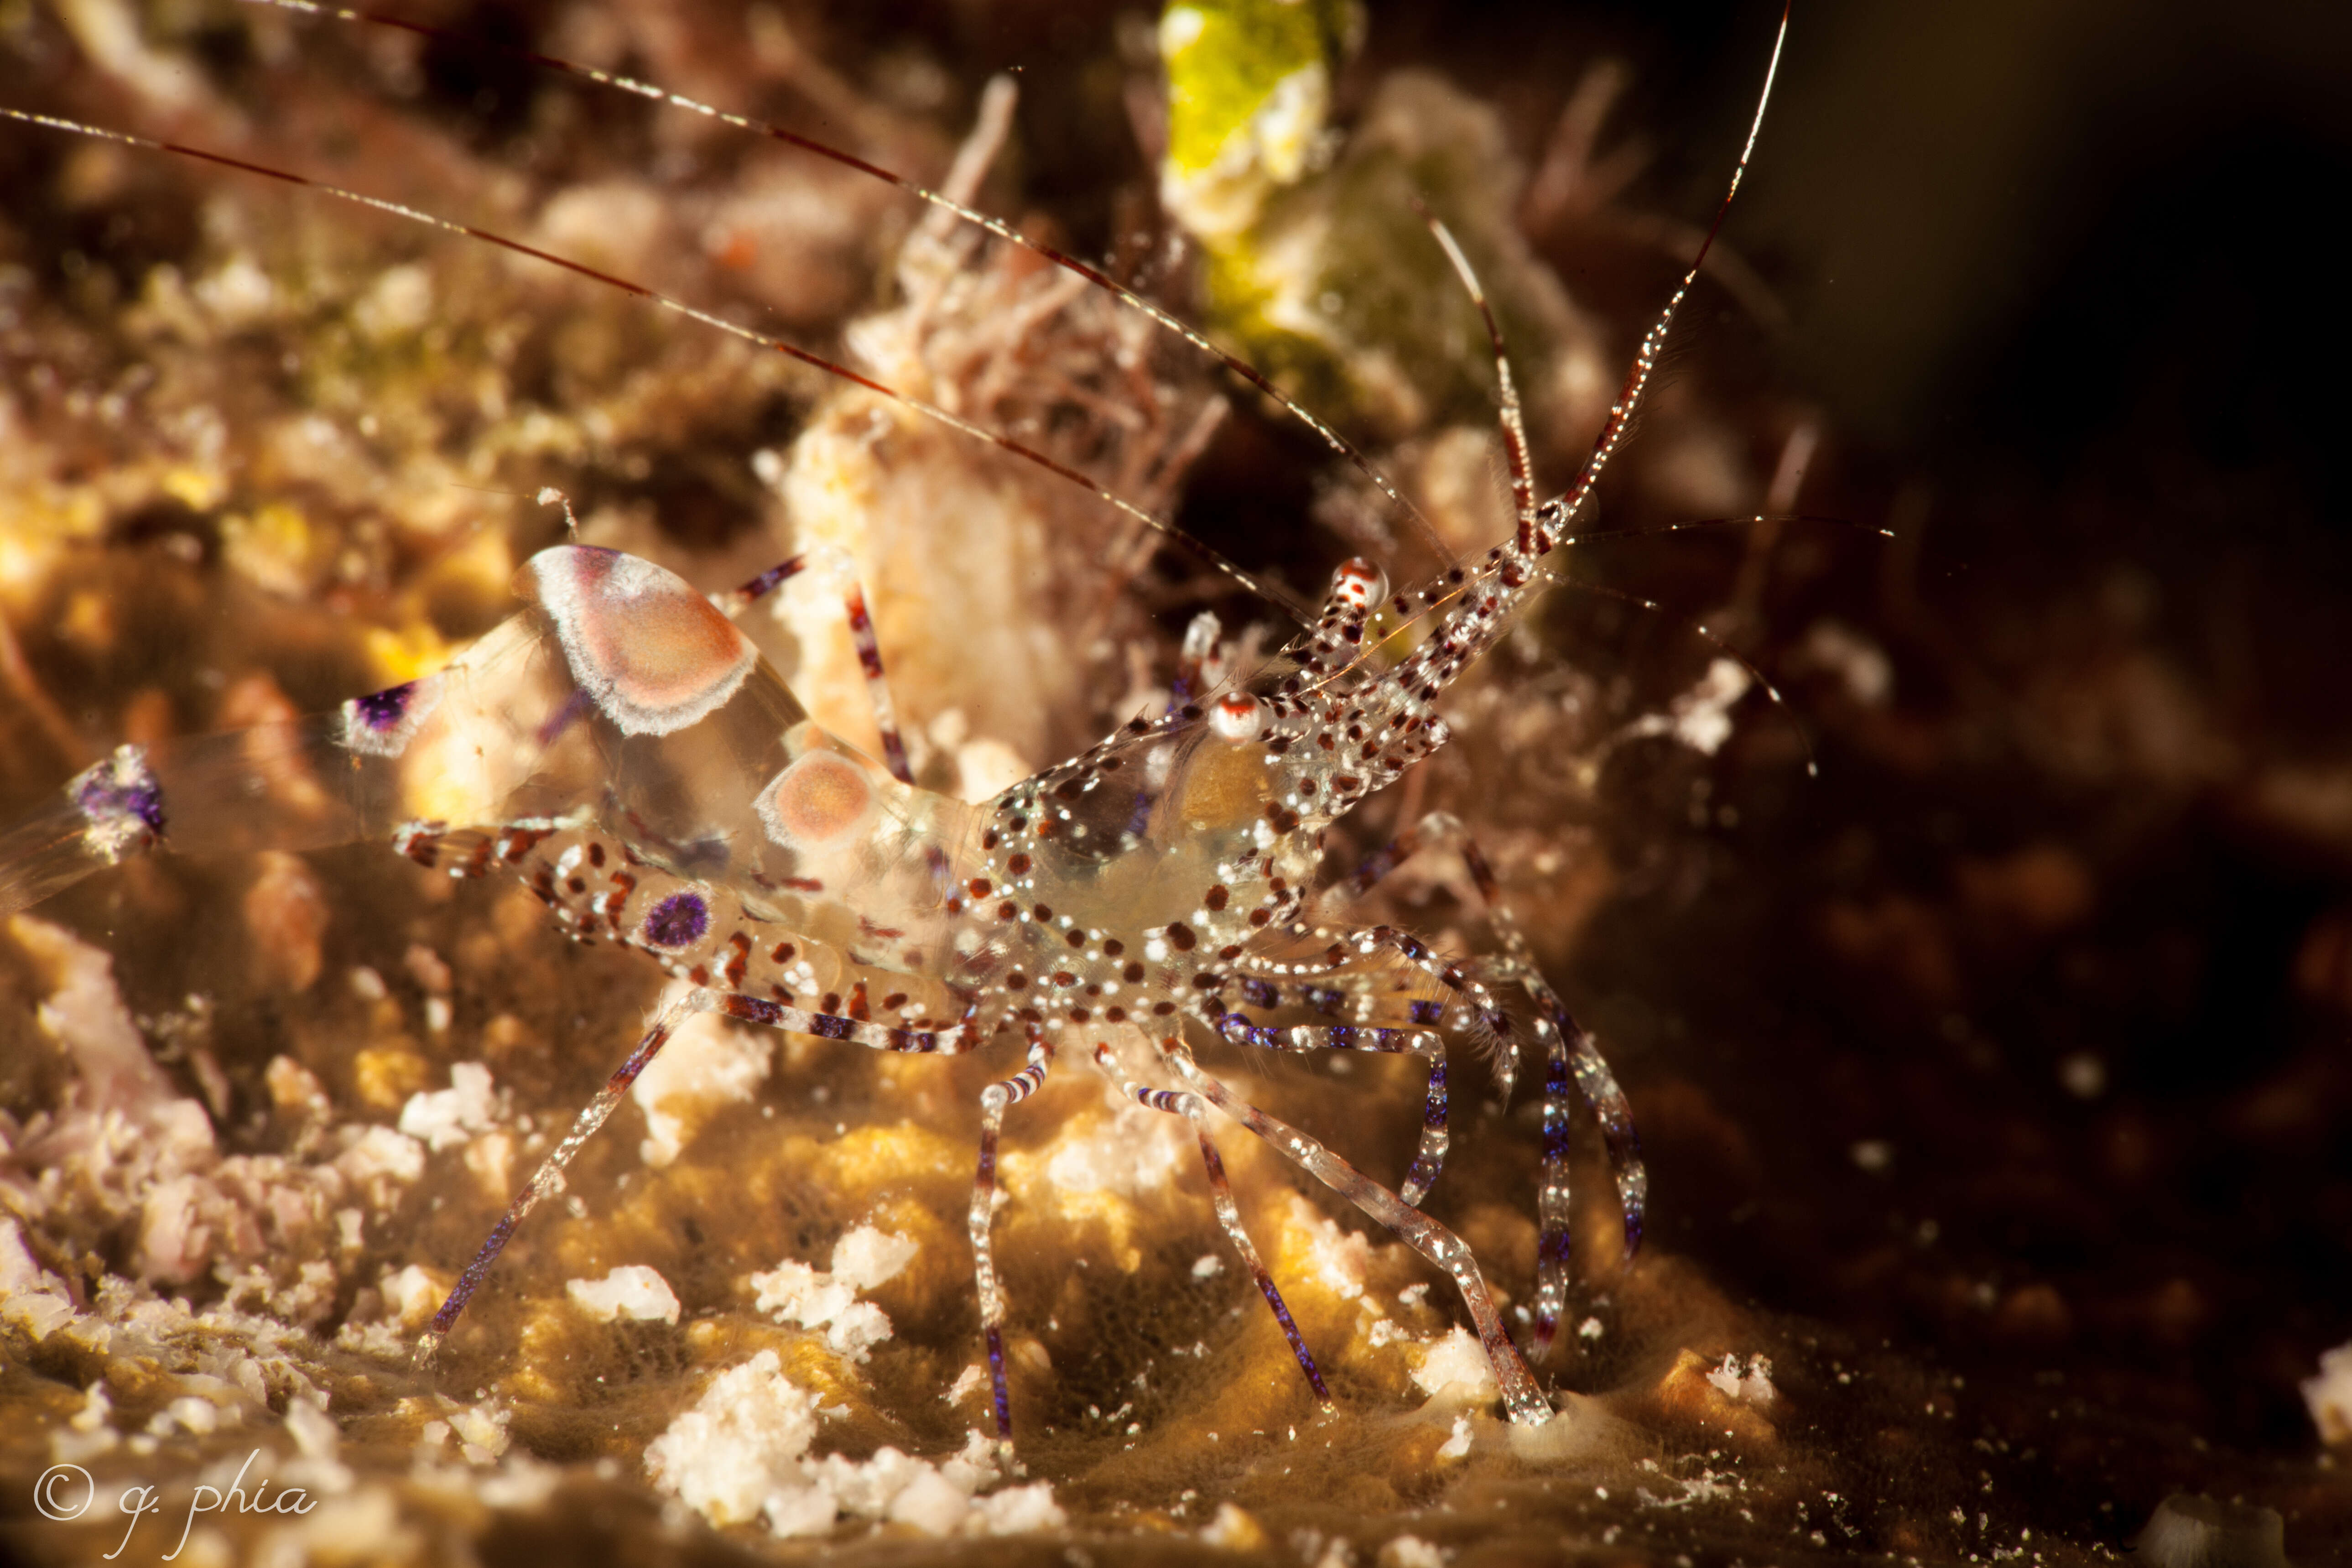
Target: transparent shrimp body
<point>619,743</point>
<point>1185,844</point>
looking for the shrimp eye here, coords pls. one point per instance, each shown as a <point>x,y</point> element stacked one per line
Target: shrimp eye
<point>1234,717</point>
<point>820,800</point>
<point>1357,584</point>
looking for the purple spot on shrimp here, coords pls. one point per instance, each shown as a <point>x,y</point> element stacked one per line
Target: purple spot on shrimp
<point>996,1382</point>
<point>1258,993</point>
<point>678,920</point>
<point>1427,1012</point>
<point>1433,1112</point>
<point>1553,1248</point>
<point>382,724</point>
<point>123,803</point>
<point>1555,1123</point>
<point>382,711</point>
<point>575,705</point>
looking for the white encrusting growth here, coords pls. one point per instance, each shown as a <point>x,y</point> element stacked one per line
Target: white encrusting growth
<point>1701,717</point>
<point>828,1299</point>
<point>708,1064</point>
<point>31,1298</point>
<point>742,1455</point>
<point>1747,1379</point>
<point>1336,1259</point>
<point>2191,1531</point>
<point>121,1144</point>
<point>1456,1369</point>
<point>1130,1152</point>
<point>632,1291</point>
<point>443,1118</point>
<point>2328,1396</point>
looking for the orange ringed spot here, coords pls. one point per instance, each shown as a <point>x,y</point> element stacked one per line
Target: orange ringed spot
<point>822,800</point>
<point>653,655</point>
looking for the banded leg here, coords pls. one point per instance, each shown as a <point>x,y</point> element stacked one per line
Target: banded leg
<point>1220,1193</point>
<point>1570,1055</point>
<point>1521,1396</point>
<point>1599,1085</point>
<point>549,1178</point>
<point>1194,657</point>
<point>993,1101</point>
<point>861,635</point>
<point>1429,1158</point>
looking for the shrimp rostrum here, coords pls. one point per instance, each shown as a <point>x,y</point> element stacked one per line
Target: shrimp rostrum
<point>622,747</point>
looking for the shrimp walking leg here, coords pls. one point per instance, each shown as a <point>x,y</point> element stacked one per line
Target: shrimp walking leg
<point>861,635</point>
<point>549,1178</point>
<point>1429,1158</point>
<point>1521,1396</point>
<point>1569,1056</point>
<point>1229,1213</point>
<point>993,1101</point>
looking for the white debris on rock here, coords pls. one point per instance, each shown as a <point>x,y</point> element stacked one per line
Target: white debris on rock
<point>741,1454</point>
<point>1234,1529</point>
<point>1411,1552</point>
<point>1858,662</point>
<point>1701,717</point>
<point>122,1151</point>
<point>2328,1396</point>
<point>1456,1369</point>
<point>1099,1166</point>
<point>632,1290</point>
<point>969,1382</point>
<point>815,1299</point>
<point>1131,1151</point>
<point>1336,1259</point>
<point>1747,1379</point>
<point>481,1431</point>
<point>31,1298</point>
<point>2194,1531</point>
<point>443,1118</point>
<point>412,1295</point>
<point>708,1064</point>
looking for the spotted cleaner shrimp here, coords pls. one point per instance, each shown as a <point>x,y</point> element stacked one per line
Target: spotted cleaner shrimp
<point>622,746</point>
